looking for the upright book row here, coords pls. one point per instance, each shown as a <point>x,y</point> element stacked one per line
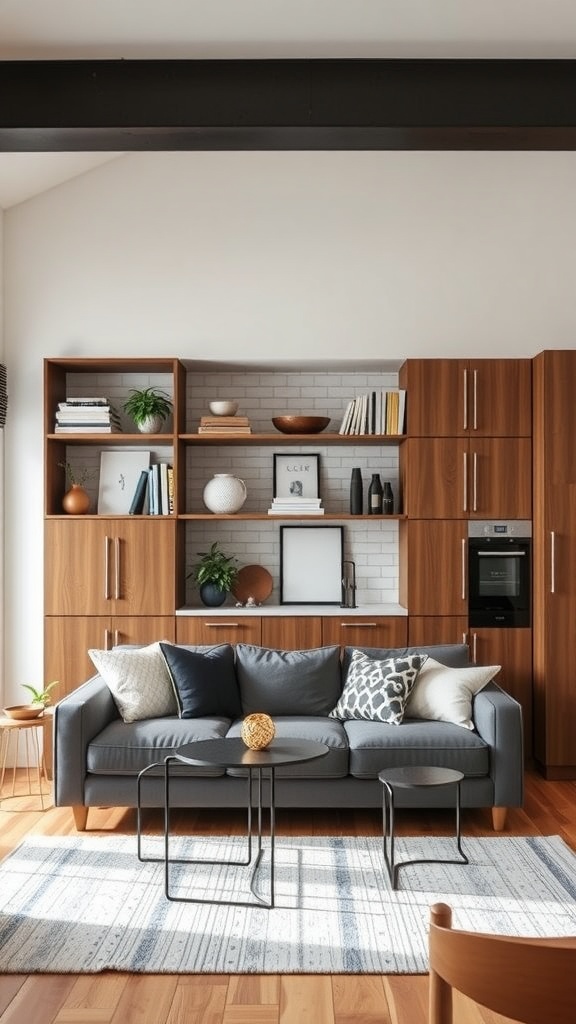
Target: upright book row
<point>154,494</point>
<point>376,412</point>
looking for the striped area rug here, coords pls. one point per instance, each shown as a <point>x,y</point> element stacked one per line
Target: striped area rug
<point>86,904</point>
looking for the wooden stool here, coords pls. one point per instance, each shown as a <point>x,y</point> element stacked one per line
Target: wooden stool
<point>11,727</point>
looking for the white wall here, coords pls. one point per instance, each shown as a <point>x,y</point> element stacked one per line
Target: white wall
<point>250,256</point>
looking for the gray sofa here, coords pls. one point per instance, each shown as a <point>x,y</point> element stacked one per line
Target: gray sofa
<point>97,755</point>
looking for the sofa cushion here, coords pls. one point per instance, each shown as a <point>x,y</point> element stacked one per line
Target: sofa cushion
<point>377,689</point>
<point>138,680</point>
<point>204,681</point>
<point>445,694</point>
<point>377,745</point>
<point>125,749</point>
<point>334,765</point>
<point>288,682</point>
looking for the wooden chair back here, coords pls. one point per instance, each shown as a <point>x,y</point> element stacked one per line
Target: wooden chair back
<point>531,980</point>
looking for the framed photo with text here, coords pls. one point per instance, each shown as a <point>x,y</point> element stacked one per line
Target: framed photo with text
<point>296,475</point>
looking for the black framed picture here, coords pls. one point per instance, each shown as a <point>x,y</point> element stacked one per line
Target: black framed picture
<point>311,561</point>
<point>296,475</point>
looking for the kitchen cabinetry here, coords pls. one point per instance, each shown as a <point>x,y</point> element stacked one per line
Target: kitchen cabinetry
<point>216,629</point>
<point>364,630</point>
<point>463,397</point>
<point>510,648</point>
<point>457,478</point>
<point>434,567</point>
<point>554,562</point>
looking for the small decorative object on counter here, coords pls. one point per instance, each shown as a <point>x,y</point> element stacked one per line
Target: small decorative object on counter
<point>375,496</point>
<point>257,731</point>
<point>224,494</point>
<point>356,493</point>
<point>387,499</point>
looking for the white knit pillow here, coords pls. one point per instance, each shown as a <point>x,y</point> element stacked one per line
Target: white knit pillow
<point>138,680</point>
<point>445,694</point>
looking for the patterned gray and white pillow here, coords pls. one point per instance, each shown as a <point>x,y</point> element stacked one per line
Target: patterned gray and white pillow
<point>138,680</point>
<point>378,689</point>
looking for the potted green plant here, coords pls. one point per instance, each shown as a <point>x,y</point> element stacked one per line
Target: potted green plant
<point>215,574</point>
<point>40,696</point>
<point>76,500</point>
<point>149,408</point>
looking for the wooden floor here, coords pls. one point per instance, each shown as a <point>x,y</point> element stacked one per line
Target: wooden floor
<point>111,998</point>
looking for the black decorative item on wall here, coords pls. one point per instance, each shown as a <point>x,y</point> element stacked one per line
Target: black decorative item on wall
<point>356,493</point>
<point>3,395</point>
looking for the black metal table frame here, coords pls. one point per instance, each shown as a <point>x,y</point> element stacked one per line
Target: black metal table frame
<point>254,771</point>
<point>388,820</point>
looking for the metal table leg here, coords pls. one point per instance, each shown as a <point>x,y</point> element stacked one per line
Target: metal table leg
<point>392,866</point>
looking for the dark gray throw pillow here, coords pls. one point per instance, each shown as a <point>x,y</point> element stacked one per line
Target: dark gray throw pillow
<point>204,681</point>
<point>288,682</point>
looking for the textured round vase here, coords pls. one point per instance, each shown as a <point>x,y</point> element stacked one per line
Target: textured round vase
<point>151,425</point>
<point>211,595</point>
<point>225,494</point>
<point>257,730</point>
<point>76,501</point>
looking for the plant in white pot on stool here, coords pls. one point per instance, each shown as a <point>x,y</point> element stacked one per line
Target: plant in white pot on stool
<point>215,574</point>
<point>149,408</point>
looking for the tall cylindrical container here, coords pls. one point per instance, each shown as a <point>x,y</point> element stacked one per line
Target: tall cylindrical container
<point>356,493</point>
<point>387,499</point>
<point>375,496</point>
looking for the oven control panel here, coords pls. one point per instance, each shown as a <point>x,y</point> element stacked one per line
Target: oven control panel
<point>513,528</point>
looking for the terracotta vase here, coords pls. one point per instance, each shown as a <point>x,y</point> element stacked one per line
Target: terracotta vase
<point>76,501</point>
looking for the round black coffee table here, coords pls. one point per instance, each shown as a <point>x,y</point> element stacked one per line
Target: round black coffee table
<point>261,765</point>
<point>415,777</point>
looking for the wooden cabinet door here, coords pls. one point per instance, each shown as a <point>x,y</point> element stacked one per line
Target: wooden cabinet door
<point>142,629</point>
<point>218,629</point>
<point>435,478</point>
<point>512,649</point>
<point>143,572</point>
<point>291,632</point>
<point>554,547</point>
<point>500,478</point>
<point>437,629</point>
<point>364,630</point>
<point>457,397</point>
<point>67,640</point>
<point>436,569</point>
<point>77,567</point>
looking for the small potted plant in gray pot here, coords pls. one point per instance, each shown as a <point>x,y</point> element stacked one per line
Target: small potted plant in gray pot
<point>149,408</point>
<point>215,574</point>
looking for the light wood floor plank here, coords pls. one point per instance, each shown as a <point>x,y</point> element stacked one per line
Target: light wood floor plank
<point>39,999</point>
<point>94,993</point>
<point>146,999</point>
<point>359,999</point>
<point>198,999</point>
<point>306,999</point>
<point>253,989</point>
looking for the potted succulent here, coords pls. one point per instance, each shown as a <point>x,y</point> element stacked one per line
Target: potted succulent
<point>148,407</point>
<point>40,696</point>
<point>76,500</point>
<point>215,574</point>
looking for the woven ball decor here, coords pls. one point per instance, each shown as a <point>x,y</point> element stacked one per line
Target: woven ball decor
<point>257,731</point>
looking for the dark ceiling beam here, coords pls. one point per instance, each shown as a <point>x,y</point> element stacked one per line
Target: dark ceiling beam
<point>287,104</point>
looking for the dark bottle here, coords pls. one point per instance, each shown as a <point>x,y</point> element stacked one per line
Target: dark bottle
<point>375,496</point>
<point>356,493</point>
<point>387,499</point>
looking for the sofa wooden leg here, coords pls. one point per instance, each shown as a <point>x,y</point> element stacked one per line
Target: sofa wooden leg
<point>499,818</point>
<point>80,817</point>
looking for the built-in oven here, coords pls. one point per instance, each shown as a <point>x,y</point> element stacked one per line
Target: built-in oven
<point>499,573</point>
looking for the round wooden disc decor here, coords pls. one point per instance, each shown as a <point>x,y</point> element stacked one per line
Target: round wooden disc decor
<point>252,581</point>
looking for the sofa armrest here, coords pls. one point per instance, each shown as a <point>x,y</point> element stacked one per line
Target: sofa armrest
<point>78,718</point>
<point>497,718</point>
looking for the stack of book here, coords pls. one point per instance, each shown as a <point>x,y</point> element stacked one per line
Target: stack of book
<point>224,425</point>
<point>377,412</point>
<point>296,507</point>
<point>87,416</point>
<point>154,494</point>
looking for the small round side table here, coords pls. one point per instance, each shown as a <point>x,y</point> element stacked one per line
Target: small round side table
<point>27,729</point>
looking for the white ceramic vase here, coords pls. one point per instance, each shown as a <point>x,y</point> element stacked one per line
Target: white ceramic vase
<point>225,494</point>
<point>151,425</point>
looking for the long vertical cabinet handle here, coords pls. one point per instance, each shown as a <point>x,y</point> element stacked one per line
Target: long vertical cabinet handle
<point>117,568</point>
<point>475,648</point>
<point>475,482</point>
<point>107,645</point>
<point>463,568</point>
<point>465,403</point>
<point>465,482</point>
<point>106,568</point>
<point>475,400</point>
<point>552,562</point>
<point>116,637</point>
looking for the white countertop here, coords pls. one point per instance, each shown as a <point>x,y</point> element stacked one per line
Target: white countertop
<point>294,609</point>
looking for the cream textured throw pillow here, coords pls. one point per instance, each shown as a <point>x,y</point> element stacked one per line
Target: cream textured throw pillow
<point>445,694</point>
<point>138,681</point>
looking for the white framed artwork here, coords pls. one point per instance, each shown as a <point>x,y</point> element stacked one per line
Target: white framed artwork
<point>119,476</point>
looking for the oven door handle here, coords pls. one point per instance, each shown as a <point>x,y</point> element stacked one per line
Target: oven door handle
<point>501,554</point>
